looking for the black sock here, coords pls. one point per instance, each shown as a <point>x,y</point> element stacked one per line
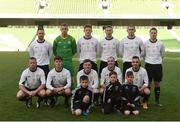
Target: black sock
<point>146,97</point>
<point>96,96</point>
<point>85,106</point>
<point>157,93</point>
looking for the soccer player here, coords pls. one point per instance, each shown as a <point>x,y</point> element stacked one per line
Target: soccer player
<point>154,53</point>
<point>112,95</point>
<point>93,79</point>
<point>58,82</point>
<point>109,46</point>
<point>41,50</point>
<point>140,79</point>
<point>130,96</point>
<point>65,46</point>
<point>81,98</point>
<point>87,47</point>
<point>105,74</point>
<point>130,46</point>
<point>32,83</point>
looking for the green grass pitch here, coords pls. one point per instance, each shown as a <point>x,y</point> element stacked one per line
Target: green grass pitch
<point>13,63</point>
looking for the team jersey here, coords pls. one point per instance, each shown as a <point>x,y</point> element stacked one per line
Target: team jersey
<point>92,76</point>
<point>154,52</point>
<point>131,47</point>
<point>42,51</point>
<point>57,79</point>
<point>66,48</point>
<point>112,91</point>
<point>32,80</point>
<point>78,95</point>
<point>87,48</point>
<point>105,75</point>
<point>108,48</point>
<point>140,77</point>
<point>130,94</point>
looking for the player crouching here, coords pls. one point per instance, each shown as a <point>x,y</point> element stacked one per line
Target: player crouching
<point>32,83</point>
<point>81,98</point>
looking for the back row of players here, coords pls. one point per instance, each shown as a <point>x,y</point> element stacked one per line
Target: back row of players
<point>59,79</point>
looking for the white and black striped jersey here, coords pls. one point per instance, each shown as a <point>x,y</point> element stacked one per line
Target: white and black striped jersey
<point>105,75</point>
<point>42,51</point>
<point>87,48</point>
<point>154,52</point>
<point>131,47</point>
<point>57,79</point>
<point>108,48</point>
<point>32,80</point>
<point>92,76</point>
<point>140,77</point>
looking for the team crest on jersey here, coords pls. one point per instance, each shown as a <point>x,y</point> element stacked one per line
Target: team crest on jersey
<point>133,89</point>
<point>116,88</point>
<point>69,42</point>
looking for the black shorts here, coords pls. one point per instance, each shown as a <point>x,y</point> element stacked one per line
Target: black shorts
<point>45,68</point>
<point>103,65</point>
<point>77,105</point>
<point>154,72</point>
<point>94,66</point>
<point>126,65</point>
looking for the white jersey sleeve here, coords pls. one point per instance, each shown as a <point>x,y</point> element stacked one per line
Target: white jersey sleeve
<point>49,80</point>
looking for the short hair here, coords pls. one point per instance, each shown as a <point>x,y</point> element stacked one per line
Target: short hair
<point>32,58</point>
<point>129,73</point>
<point>153,28</point>
<point>111,57</point>
<point>87,26</point>
<point>40,28</point>
<point>113,73</point>
<point>58,58</point>
<point>87,60</point>
<point>84,77</point>
<point>108,26</point>
<point>64,24</point>
<point>135,57</point>
<point>131,26</point>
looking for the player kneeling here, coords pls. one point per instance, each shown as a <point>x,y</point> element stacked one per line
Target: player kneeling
<point>58,83</point>
<point>32,83</point>
<point>112,94</point>
<point>130,96</point>
<point>82,98</point>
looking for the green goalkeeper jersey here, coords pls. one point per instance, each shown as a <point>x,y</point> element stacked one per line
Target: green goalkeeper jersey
<point>66,48</point>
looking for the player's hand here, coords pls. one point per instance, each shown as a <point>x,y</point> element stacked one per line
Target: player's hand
<point>132,105</point>
<point>61,89</point>
<point>128,104</point>
<point>33,93</point>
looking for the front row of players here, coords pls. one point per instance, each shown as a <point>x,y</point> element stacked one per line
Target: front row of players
<point>114,95</point>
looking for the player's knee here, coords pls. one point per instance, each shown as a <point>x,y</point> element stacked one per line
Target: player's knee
<point>42,93</point>
<point>86,99</point>
<point>146,91</point>
<point>127,112</point>
<point>20,95</point>
<point>78,112</point>
<point>48,92</point>
<point>95,91</point>
<point>68,91</point>
<point>136,112</point>
<point>101,90</point>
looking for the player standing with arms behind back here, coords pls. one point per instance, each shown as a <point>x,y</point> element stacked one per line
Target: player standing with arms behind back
<point>154,53</point>
<point>65,46</point>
